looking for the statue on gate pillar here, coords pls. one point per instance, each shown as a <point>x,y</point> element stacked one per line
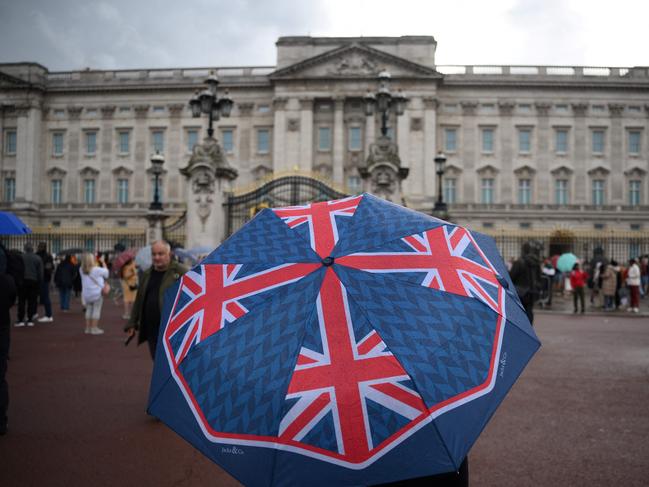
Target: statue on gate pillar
<point>382,173</point>
<point>209,177</point>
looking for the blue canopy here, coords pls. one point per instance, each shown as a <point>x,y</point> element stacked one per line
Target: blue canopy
<point>10,224</point>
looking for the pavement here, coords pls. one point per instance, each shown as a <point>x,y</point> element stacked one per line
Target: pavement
<point>577,416</point>
<point>562,304</point>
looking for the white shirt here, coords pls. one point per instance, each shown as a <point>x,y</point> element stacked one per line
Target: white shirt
<point>92,283</point>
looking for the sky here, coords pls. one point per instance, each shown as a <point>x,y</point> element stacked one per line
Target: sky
<point>125,34</point>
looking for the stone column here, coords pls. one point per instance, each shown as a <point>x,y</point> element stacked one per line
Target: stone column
<point>174,151</point>
<point>616,153</point>
<point>506,108</point>
<point>469,143</point>
<point>543,184</point>
<point>279,135</point>
<point>292,149</point>
<point>580,176</point>
<point>370,134</point>
<point>429,177</point>
<point>245,140</point>
<point>306,134</point>
<point>73,186</point>
<point>106,181</point>
<point>141,152</point>
<point>28,142</point>
<point>339,142</point>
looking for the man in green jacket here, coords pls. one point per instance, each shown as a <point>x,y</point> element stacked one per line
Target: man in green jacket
<point>147,308</point>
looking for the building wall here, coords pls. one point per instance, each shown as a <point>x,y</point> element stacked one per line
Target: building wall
<point>299,108</point>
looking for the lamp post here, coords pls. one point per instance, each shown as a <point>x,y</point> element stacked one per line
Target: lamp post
<point>157,161</point>
<point>207,101</point>
<point>384,100</point>
<point>440,210</point>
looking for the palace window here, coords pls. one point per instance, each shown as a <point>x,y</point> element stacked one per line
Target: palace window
<point>634,192</point>
<point>634,142</point>
<point>524,191</point>
<point>561,191</point>
<point>488,140</point>
<point>192,139</point>
<point>450,195</point>
<point>450,140</point>
<point>227,136</point>
<point>324,138</point>
<point>122,190</point>
<point>598,141</point>
<point>487,191</point>
<point>561,141</point>
<point>263,141</point>
<point>56,190</point>
<point>524,140</point>
<point>124,142</point>
<point>9,193</point>
<point>355,143</point>
<point>598,192</point>
<point>91,143</point>
<point>10,142</point>
<point>354,184</point>
<point>89,191</point>
<point>158,140</point>
<point>57,143</point>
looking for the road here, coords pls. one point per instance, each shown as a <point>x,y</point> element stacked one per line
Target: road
<point>579,414</point>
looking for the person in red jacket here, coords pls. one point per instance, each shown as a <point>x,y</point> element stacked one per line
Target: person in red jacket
<point>578,279</point>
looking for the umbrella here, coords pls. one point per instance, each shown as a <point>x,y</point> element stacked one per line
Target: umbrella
<point>10,224</point>
<point>143,257</point>
<point>71,251</point>
<point>122,259</point>
<point>566,262</point>
<point>185,256</point>
<point>350,342</point>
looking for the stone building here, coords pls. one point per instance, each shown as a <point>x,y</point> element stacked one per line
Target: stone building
<point>537,147</point>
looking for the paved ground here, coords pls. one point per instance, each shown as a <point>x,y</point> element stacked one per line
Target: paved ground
<point>579,414</point>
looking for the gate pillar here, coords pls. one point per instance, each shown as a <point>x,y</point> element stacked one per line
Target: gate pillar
<point>209,176</point>
<point>382,173</point>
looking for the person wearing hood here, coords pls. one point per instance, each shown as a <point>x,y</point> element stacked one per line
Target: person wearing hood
<point>526,276</point>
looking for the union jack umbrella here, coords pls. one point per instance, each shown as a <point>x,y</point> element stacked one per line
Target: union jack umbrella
<point>347,342</point>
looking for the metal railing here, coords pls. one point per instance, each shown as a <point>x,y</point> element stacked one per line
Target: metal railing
<point>92,240</point>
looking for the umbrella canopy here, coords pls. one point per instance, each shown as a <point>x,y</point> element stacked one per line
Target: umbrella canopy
<point>186,256</point>
<point>349,342</point>
<point>566,262</point>
<point>10,224</point>
<point>122,259</point>
<point>143,257</point>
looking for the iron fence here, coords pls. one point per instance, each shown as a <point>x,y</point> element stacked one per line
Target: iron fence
<point>60,240</point>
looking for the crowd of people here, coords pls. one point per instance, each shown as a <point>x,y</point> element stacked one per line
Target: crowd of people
<point>606,284</point>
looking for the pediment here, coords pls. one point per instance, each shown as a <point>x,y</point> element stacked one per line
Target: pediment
<point>561,170</point>
<point>56,171</point>
<point>89,171</point>
<point>122,170</point>
<point>452,169</point>
<point>9,81</point>
<point>354,61</point>
<point>636,171</point>
<point>525,170</point>
<point>599,171</point>
<point>487,169</point>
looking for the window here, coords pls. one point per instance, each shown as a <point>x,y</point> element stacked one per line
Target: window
<point>634,192</point>
<point>124,109</point>
<point>634,142</point>
<point>122,223</point>
<point>91,143</point>
<point>122,190</point>
<point>525,225</point>
<point>263,141</point>
<point>9,193</point>
<point>449,190</point>
<point>524,191</point>
<point>561,141</point>
<point>524,140</point>
<point>88,223</point>
<point>228,140</point>
<point>89,191</point>
<point>57,196</point>
<point>487,190</point>
<point>525,107</point>
<point>355,142</point>
<point>561,191</point>
<point>59,113</point>
<point>10,142</point>
<point>192,139</point>
<point>57,144</point>
<point>561,108</point>
<point>124,142</point>
<point>598,108</point>
<point>158,109</point>
<point>487,140</point>
<point>354,184</point>
<point>158,140</point>
<point>391,133</point>
<point>450,140</point>
<point>598,192</point>
<point>263,109</point>
<point>324,138</point>
<point>598,141</point>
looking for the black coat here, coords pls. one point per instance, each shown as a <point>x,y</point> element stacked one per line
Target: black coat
<point>65,275</point>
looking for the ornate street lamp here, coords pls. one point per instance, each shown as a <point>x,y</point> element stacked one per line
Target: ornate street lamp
<point>440,210</point>
<point>207,101</point>
<point>157,161</point>
<point>384,100</point>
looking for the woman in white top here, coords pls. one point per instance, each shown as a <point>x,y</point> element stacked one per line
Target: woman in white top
<point>93,277</point>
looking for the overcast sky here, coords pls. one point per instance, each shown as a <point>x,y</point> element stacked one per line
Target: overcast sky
<point>74,34</point>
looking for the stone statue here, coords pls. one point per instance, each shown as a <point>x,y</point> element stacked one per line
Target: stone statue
<point>382,172</point>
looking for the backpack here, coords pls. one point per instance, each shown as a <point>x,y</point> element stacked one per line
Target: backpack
<point>16,266</point>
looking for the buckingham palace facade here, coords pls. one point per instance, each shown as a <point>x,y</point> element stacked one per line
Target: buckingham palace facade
<point>527,147</point>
